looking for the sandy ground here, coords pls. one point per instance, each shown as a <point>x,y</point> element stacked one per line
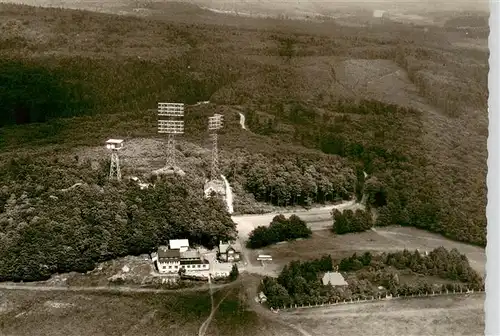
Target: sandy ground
<point>317,218</point>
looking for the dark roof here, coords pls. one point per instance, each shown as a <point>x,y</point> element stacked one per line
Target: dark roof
<point>169,254</point>
<point>235,245</point>
<point>190,254</point>
<point>194,262</point>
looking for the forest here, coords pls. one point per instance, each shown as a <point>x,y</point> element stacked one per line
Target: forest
<point>300,282</point>
<point>118,67</point>
<point>351,221</point>
<point>280,229</point>
<point>47,227</point>
<point>399,186</point>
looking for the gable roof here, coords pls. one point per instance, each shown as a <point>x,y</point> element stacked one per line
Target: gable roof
<point>334,278</point>
<point>224,246</point>
<point>168,254</point>
<point>190,254</point>
<point>178,243</point>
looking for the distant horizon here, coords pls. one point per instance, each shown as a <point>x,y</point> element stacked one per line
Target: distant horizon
<point>286,5</point>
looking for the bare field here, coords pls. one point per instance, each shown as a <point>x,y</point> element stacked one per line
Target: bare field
<point>450,315</point>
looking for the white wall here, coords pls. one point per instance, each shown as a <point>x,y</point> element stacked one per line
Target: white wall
<point>174,267</point>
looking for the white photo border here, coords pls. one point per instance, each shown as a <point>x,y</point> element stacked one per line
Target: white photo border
<point>492,281</point>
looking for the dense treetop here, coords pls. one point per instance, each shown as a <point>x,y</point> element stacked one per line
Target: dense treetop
<point>46,230</point>
<point>426,165</point>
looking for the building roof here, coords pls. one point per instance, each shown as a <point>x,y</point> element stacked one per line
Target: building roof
<point>224,246</point>
<point>114,141</point>
<point>168,254</point>
<point>194,262</point>
<point>178,243</point>
<point>190,254</point>
<point>334,278</point>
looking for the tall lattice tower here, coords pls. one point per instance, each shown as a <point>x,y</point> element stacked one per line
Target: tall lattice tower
<point>170,122</point>
<point>114,170</point>
<point>215,123</point>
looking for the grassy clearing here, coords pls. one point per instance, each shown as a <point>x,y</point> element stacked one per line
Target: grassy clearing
<point>104,314</point>
<point>383,240</point>
<point>64,313</point>
<point>414,317</point>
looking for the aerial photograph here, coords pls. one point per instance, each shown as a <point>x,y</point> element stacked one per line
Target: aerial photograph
<point>243,168</point>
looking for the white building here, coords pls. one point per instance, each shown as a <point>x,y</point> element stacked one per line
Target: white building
<point>167,261</point>
<point>114,144</point>
<point>179,244</point>
<point>170,261</point>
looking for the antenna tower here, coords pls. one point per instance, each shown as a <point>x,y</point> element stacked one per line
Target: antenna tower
<point>214,124</point>
<point>114,170</point>
<point>172,124</point>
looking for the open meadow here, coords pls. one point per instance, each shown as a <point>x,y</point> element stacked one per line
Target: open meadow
<point>450,315</point>
<point>67,313</point>
<point>389,239</point>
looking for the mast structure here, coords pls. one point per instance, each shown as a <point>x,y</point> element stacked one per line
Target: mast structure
<point>214,124</point>
<point>114,170</point>
<point>171,122</point>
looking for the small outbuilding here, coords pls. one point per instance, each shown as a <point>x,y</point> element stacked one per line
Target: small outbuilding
<point>114,144</point>
<point>229,251</point>
<point>179,244</point>
<point>334,279</point>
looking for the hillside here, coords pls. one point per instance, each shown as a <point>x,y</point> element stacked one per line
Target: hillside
<point>407,107</point>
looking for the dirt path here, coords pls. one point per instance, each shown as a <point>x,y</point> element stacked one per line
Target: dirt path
<point>229,195</point>
<point>204,326</point>
<point>251,284</point>
<point>316,218</point>
<point>121,289</point>
<point>242,120</point>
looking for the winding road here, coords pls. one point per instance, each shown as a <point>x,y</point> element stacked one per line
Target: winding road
<point>242,121</point>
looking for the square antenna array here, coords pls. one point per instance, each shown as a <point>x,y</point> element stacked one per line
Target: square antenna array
<point>171,126</point>
<point>215,122</point>
<point>171,109</point>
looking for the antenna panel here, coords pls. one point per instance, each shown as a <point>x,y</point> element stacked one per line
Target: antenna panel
<point>215,122</point>
<point>171,126</point>
<point>171,109</point>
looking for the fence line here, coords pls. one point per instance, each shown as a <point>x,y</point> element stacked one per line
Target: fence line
<point>379,298</point>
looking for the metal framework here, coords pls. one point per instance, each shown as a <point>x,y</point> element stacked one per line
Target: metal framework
<point>114,170</point>
<point>171,127</point>
<point>214,124</point>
